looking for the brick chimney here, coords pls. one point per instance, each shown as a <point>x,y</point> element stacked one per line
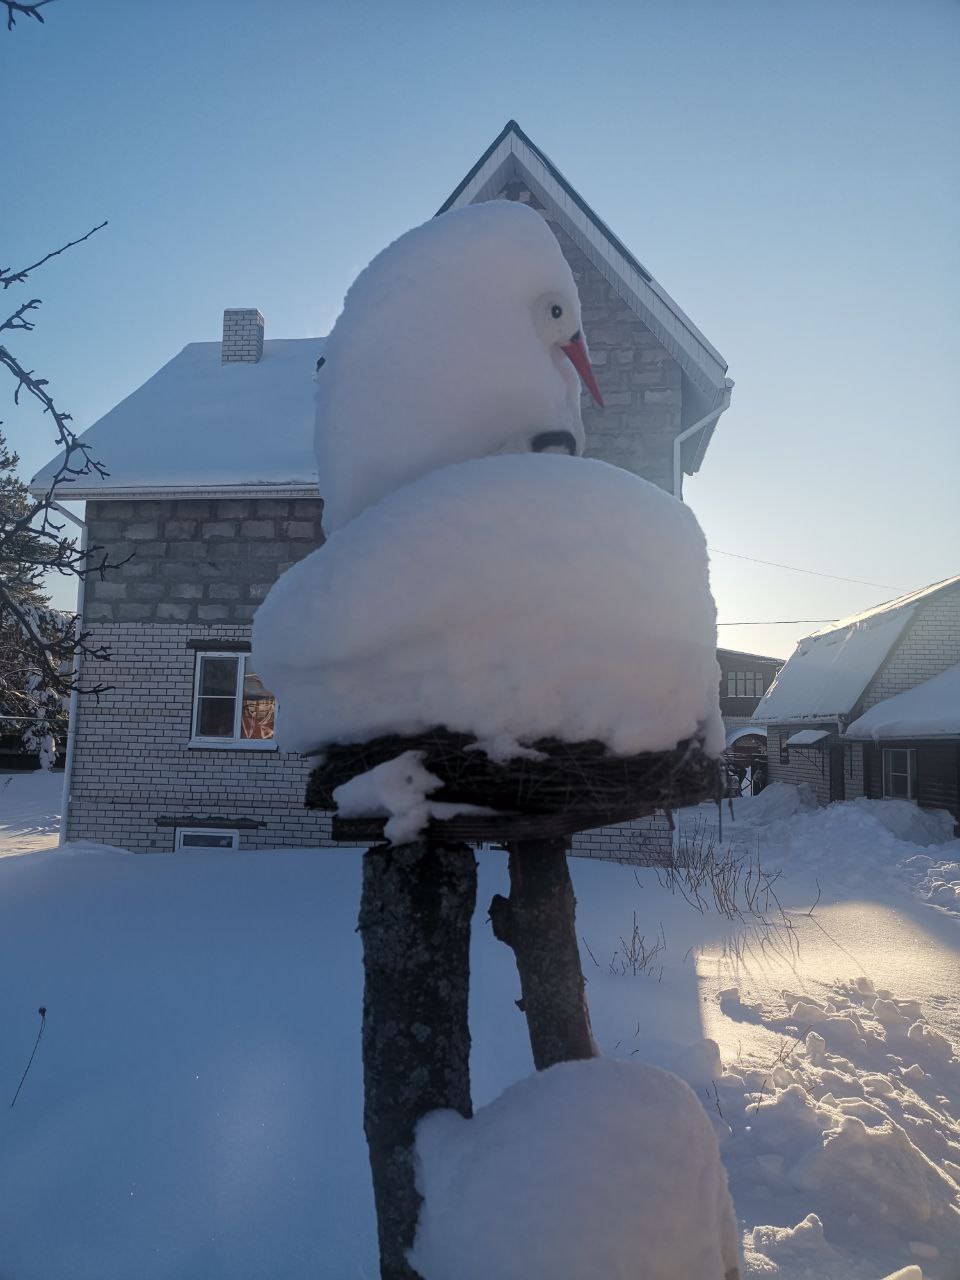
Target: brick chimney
<point>242,335</point>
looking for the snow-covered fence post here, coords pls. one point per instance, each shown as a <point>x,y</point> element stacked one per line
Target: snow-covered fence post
<point>415,912</point>
<point>537,922</point>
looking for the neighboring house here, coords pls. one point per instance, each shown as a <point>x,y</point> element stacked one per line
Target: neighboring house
<point>871,706</point>
<point>212,491</point>
<point>744,678</point>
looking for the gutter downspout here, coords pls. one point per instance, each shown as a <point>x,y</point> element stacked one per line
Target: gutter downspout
<point>74,696</point>
<point>697,426</point>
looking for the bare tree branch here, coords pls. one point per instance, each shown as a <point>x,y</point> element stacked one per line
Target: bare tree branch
<point>15,8</point>
<point>7,275</point>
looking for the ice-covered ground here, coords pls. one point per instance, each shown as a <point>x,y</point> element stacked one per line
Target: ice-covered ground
<point>194,1107</point>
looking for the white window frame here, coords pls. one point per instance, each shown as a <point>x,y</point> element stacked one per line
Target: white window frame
<point>220,742</point>
<point>231,832</point>
<point>911,773</point>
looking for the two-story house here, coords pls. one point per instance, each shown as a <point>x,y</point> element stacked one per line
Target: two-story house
<point>213,491</point>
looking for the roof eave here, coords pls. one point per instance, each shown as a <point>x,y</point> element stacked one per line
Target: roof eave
<point>154,492</point>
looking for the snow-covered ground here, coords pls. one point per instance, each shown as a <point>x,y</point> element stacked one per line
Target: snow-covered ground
<point>194,1107</point>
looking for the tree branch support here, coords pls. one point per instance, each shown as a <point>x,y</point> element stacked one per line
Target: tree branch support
<point>538,923</point>
<point>415,913</point>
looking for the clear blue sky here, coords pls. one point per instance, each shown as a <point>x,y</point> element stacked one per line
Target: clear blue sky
<point>789,172</point>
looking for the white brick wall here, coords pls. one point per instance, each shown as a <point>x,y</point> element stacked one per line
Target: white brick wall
<point>930,644</point>
<point>132,763</point>
<point>804,765</point>
<point>646,842</point>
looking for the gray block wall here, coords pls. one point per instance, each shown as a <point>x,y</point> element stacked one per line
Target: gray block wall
<point>639,380</point>
<point>195,560</point>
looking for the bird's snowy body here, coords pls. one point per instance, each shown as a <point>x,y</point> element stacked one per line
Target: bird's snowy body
<point>448,348</point>
<point>513,597</point>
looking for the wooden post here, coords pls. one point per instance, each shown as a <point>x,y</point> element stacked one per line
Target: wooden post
<point>415,912</point>
<point>538,922</point>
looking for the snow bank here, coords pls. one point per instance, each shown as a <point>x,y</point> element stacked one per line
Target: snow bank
<point>446,350</point>
<point>777,801</point>
<point>195,1110</point>
<point>597,1168</point>
<point>29,811</point>
<point>855,1120</point>
<point>511,597</point>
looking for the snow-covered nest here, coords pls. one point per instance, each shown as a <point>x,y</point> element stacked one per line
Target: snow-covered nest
<point>396,787</point>
<point>929,710</point>
<point>512,598</point>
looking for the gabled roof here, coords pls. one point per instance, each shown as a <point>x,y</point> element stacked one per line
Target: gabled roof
<point>758,657</point>
<point>512,157</point>
<point>830,670</point>
<point>198,425</point>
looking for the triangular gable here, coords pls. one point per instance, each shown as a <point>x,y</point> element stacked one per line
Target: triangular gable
<point>513,157</point>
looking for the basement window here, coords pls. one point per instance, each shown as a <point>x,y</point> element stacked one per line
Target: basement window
<point>231,708</point>
<point>206,838</point>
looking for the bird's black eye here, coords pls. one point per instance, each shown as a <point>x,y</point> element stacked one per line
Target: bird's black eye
<point>556,311</point>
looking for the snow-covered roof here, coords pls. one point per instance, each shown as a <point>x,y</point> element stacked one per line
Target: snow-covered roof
<point>745,731</point>
<point>200,425</point>
<point>928,710</point>
<point>511,157</point>
<point>830,670</point>
<point>807,737</point>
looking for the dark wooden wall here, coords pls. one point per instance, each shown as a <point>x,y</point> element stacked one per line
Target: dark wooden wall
<point>938,773</point>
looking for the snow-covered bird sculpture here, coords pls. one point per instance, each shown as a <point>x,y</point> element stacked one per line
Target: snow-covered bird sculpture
<point>466,582</point>
<point>460,339</point>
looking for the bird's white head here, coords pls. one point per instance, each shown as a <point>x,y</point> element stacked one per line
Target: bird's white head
<point>460,340</point>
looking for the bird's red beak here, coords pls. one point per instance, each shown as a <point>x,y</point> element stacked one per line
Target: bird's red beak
<point>576,351</point>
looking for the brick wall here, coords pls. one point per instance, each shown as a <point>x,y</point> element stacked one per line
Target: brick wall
<point>805,764</point>
<point>195,560</point>
<point>647,842</point>
<point>929,645</point>
<point>133,764</point>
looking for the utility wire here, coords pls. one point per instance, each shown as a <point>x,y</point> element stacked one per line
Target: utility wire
<point>778,622</point>
<point>814,573</point>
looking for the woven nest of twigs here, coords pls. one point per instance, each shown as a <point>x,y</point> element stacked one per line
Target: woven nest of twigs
<point>566,787</point>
